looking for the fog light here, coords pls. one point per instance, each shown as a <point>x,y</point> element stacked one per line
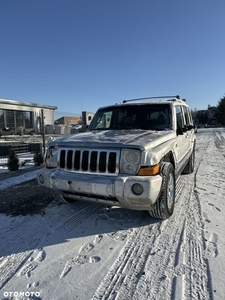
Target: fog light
<point>137,189</point>
<point>41,179</point>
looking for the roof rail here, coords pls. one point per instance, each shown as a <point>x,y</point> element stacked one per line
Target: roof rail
<point>148,98</point>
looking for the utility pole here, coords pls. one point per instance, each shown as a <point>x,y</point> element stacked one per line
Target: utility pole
<point>43,128</point>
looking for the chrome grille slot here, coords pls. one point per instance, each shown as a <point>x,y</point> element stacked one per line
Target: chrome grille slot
<point>95,161</point>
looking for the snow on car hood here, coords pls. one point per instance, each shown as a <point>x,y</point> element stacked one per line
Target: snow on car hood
<point>143,139</point>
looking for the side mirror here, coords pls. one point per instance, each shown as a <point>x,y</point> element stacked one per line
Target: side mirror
<point>179,130</point>
<point>189,127</point>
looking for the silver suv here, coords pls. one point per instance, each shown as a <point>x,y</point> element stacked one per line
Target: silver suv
<point>130,156</point>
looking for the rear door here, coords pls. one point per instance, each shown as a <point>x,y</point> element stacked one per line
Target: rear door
<point>183,137</point>
<point>189,127</point>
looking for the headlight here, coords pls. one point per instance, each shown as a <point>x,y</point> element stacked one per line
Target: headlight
<point>130,161</point>
<point>51,157</point>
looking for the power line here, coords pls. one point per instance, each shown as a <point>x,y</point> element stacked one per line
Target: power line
<point>52,83</point>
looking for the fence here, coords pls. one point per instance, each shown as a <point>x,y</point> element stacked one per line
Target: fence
<point>20,148</point>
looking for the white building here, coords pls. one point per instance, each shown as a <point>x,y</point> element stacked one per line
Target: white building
<point>15,114</point>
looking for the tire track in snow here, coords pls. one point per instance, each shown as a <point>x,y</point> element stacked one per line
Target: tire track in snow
<point>153,264</point>
<point>193,268</point>
<point>220,141</point>
<point>11,265</point>
<point>193,272</point>
<point>162,267</point>
<point>83,213</point>
<point>130,266</point>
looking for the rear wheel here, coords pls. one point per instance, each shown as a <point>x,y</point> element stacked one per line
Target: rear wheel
<point>163,208</point>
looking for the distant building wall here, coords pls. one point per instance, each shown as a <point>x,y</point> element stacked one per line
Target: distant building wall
<point>84,120</point>
<point>68,120</point>
<point>15,114</point>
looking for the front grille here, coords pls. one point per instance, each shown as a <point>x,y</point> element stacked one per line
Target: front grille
<point>93,161</point>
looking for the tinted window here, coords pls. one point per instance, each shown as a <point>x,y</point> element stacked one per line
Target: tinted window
<point>186,115</point>
<point>180,118</point>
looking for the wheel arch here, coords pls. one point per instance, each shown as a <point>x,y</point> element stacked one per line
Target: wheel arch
<point>169,157</point>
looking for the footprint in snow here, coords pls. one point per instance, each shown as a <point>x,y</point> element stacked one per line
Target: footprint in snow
<point>82,258</point>
<point>33,263</point>
<point>86,248</point>
<point>33,285</point>
<point>78,261</point>
<point>41,255</point>
<point>214,207</point>
<point>26,270</point>
<point>211,246</point>
<point>98,239</point>
<point>205,218</point>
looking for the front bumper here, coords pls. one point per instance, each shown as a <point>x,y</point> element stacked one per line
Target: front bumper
<point>109,190</point>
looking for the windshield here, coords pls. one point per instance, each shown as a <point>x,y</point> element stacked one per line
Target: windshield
<point>148,117</point>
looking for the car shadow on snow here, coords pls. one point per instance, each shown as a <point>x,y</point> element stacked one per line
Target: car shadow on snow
<point>39,218</point>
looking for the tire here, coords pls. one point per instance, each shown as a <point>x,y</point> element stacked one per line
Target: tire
<point>163,208</point>
<point>189,168</point>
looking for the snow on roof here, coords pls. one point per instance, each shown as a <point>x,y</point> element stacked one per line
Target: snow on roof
<point>20,103</point>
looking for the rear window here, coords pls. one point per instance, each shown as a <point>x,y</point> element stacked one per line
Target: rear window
<point>187,115</point>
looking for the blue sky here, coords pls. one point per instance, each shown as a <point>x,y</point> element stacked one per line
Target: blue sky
<point>83,54</point>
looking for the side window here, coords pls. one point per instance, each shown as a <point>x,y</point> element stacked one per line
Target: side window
<point>180,118</point>
<point>190,116</point>
<point>103,122</point>
<point>186,115</point>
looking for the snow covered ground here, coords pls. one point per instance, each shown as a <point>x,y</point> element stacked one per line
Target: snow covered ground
<point>87,251</point>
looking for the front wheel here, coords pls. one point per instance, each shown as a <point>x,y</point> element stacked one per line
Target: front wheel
<point>163,208</point>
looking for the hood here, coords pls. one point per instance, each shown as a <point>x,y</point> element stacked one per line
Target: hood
<point>134,138</point>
